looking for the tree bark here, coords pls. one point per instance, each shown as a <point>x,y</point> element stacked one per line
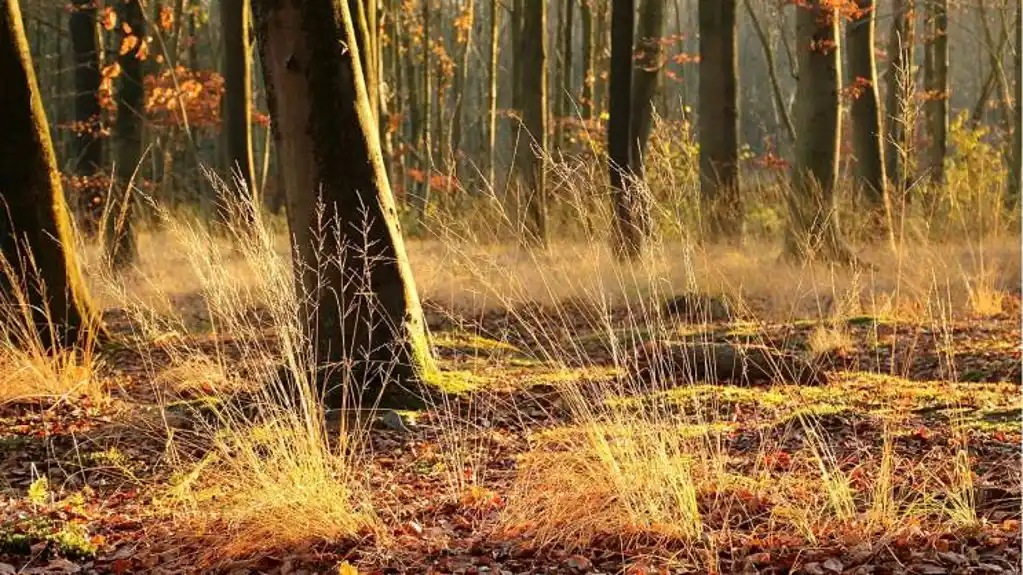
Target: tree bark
<point>865,114</point>
<point>586,15</point>
<point>899,126</point>
<point>566,103</point>
<point>35,235</point>
<point>628,240</point>
<point>234,20</point>
<point>461,81</point>
<point>495,21</point>
<point>362,313</point>
<point>1016,165</point>
<point>814,228</point>
<point>87,149</point>
<point>719,120</point>
<point>936,83</point>
<point>646,75</point>
<point>119,235</point>
<point>534,121</point>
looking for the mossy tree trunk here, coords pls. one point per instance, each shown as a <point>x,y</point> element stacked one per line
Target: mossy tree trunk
<point>865,114</point>
<point>87,148</point>
<point>814,229</point>
<point>719,120</point>
<point>362,313</point>
<point>899,97</point>
<point>533,69</point>
<point>119,234</point>
<point>628,233</point>
<point>234,19</point>
<point>35,235</point>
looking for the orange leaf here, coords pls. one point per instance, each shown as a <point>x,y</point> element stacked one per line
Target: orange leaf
<point>109,18</point>
<point>125,28</point>
<point>128,43</point>
<point>166,18</point>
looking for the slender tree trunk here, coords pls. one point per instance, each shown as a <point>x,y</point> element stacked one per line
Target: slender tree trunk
<point>936,83</point>
<point>362,11</point>
<point>1016,165</point>
<point>814,228</point>
<point>234,21</point>
<point>495,20</point>
<point>719,120</point>
<point>534,121</point>
<point>35,234</point>
<point>363,317</point>
<point>516,40</point>
<point>602,61</point>
<point>646,75</point>
<point>566,104</point>
<point>865,114</point>
<point>119,235</point>
<point>900,94</point>
<point>586,15</point>
<point>87,150</point>
<point>772,72</point>
<point>426,188</point>
<point>628,236</point>
<point>461,81</point>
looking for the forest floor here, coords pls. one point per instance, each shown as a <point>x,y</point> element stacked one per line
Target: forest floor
<point>907,461</point>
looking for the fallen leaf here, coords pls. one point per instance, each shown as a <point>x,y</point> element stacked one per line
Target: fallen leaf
<point>833,565</point>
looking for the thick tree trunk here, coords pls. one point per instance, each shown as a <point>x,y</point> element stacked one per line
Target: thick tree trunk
<point>719,120</point>
<point>865,114</point>
<point>646,75</point>
<point>936,83</point>
<point>35,235</point>
<point>87,150</point>
<point>814,227</point>
<point>363,315</point>
<point>586,14</point>
<point>628,234</point>
<point>119,235</point>
<point>495,20</point>
<point>234,20</point>
<point>900,94</point>
<point>534,121</point>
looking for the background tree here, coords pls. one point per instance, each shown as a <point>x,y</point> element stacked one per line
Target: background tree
<point>87,149</point>
<point>646,74</point>
<point>364,314</point>
<point>628,239</point>
<point>900,79</point>
<point>719,120</point>
<point>1016,165</point>
<point>119,235</point>
<point>234,18</point>
<point>534,121</point>
<point>865,113</point>
<point>936,84</point>
<point>35,234</point>
<point>814,228</point>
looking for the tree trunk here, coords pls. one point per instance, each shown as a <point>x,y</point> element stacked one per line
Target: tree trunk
<point>422,201</point>
<point>814,227</point>
<point>772,72</point>
<point>586,14</point>
<point>646,75</point>
<point>899,122</point>
<point>87,151</point>
<point>461,81</point>
<point>628,239</point>
<point>361,12</point>
<point>495,20</point>
<point>534,121</point>
<point>1016,165</point>
<point>566,104</point>
<point>119,236</point>
<point>35,235</point>
<point>234,20</point>
<point>936,83</point>
<point>865,114</point>
<point>363,315</point>
<point>719,120</point>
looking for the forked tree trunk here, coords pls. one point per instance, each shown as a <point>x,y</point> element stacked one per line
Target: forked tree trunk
<point>35,235</point>
<point>865,114</point>
<point>628,233</point>
<point>119,234</point>
<point>87,149</point>
<point>362,314</point>
<point>534,122</point>
<point>719,120</point>
<point>899,98</point>
<point>814,229</point>
<point>936,83</point>
<point>234,19</point>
